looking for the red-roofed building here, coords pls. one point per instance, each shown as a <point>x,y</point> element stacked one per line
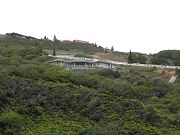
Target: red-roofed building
<point>68,41</point>
<point>80,41</point>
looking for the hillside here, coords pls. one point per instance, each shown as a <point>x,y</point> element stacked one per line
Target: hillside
<point>38,98</point>
<point>65,47</point>
<point>85,49</point>
<point>47,44</point>
<point>167,57</point>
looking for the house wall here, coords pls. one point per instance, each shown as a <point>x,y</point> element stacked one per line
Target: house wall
<point>80,64</point>
<point>60,63</point>
<point>85,65</point>
<point>103,65</point>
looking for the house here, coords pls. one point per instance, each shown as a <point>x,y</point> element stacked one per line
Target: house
<point>105,64</point>
<point>83,64</point>
<point>16,35</point>
<point>67,41</point>
<point>80,41</point>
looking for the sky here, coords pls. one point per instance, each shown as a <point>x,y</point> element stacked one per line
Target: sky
<point>146,26</point>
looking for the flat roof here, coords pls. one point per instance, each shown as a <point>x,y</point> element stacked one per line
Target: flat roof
<point>82,60</point>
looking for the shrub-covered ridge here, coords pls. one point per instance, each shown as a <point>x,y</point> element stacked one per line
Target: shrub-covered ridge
<point>37,98</point>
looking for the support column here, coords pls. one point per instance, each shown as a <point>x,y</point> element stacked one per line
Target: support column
<point>85,65</point>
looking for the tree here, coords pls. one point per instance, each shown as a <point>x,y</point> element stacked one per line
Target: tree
<point>45,38</point>
<point>112,49</point>
<point>130,58</point>
<point>105,50</point>
<point>54,38</point>
<point>142,59</point>
<point>178,71</point>
<point>54,42</point>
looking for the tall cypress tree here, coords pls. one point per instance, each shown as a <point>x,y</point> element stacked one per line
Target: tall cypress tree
<point>54,43</point>
<point>130,58</point>
<point>112,49</point>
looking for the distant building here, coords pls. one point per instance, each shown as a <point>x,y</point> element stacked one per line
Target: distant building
<point>67,41</point>
<point>13,34</point>
<point>16,35</point>
<point>80,41</point>
<point>83,64</point>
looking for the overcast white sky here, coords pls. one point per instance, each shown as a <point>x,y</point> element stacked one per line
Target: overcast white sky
<point>141,25</point>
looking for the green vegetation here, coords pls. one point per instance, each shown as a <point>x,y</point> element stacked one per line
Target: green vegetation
<point>136,58</point>
<point>167,57</point>
<point>37,98</point>
<point>83,55</point>
<point>139,58</point>
<point>112,49</point>
<point>83,47</point>
<point>178,71</point>
<point>130,58</point>
<point>49,45</point>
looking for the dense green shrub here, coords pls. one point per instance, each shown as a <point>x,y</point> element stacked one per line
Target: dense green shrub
<point>167,57</point>
<point>37,98</point>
